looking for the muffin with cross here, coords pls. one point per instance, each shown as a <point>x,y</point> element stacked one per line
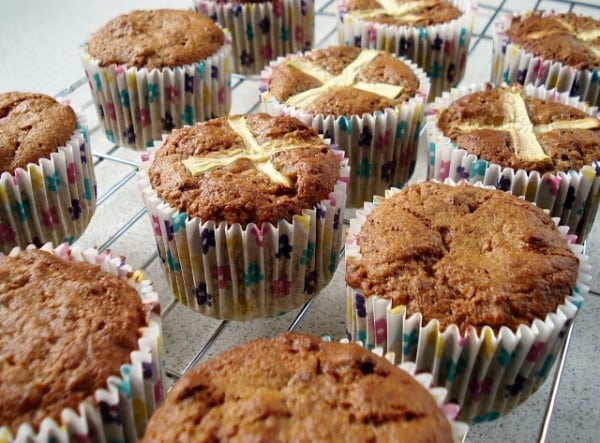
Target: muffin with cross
<point>434,34</point>
<point>556,50</point>
<point>368,102</point>
<point>534,142</point>
<point>247,213</point>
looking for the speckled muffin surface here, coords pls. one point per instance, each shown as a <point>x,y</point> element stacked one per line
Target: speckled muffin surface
<point>566,38</point>
<point>243,169</point>
<point>404,13</point>
<point>463,255</point>
<point>343,80</point>
<point>156,39</point>
<point>297,388</point>
<point>506,127</point>
<point>32,126</point>
<point>65,327</point>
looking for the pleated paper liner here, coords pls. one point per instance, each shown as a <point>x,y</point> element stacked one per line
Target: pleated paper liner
<point>488,374</point>
<point>242,273</point>
<point>120,411</point>
<point>572,196</point>
<point>136,106</point>
<point>52,200</point>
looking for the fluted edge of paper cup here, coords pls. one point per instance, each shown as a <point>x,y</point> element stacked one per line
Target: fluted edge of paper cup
<point>120,411</point>
<point>487,374</point>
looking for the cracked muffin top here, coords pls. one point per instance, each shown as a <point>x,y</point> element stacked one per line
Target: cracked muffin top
<point>32,126</point>
<point>298,388</point>
<point>404,13</point>
<point>463,255</point>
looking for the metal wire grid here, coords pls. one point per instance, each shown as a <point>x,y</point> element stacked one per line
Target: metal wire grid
<point>120,216</point>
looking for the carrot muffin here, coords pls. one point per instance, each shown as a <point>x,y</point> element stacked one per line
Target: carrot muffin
<point>281,389</point>
<point>66,328</point>
<point>155,70</point>
<point>261,201</point>
<point>46,196</point>
<point>368,102</point>
<point>465,274</point>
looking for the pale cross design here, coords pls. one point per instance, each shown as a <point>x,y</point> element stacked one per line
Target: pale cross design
<point>346,78</point>
<point>522,130</point>
<point>587,37</point>
<point>258,153</point>
<point>395,8</point>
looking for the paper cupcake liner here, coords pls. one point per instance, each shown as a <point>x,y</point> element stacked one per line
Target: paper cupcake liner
<point>136,106</point>
<point>262,31</point>
<point>440,50</point>
<point>119,412</point>
<point>487,374</point>
<point>512,64</point>
<point>381,147</point>
<point>572,196</point>
<point>237,273</point>
<point>53,200</point>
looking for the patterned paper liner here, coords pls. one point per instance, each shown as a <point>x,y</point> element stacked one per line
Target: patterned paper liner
<point>262,31</point>
<point>381,147</point>
<point>511,64</point>
<point>236,273</point>
<point>487,374</point>
<point>440,50</point>
<point>573,196</point>
<point>52,200</point>
<point>119,412</point>
<point>136,106</point>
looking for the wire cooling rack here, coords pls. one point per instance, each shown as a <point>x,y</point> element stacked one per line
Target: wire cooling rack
<point>120,224</point>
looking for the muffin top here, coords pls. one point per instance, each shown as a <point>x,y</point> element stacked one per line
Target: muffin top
<point>32,126</point>
<point>566,38</point>
<point>343,80</point>
<point>297,388</point>
<point>65,327</point>
<point>403,13</point>
<point>161,38</point>
<point>243,169</point>
<point>463,255</point>
<point>506,127</point>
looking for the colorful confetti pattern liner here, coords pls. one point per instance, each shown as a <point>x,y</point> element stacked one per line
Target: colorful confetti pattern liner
<point>487,374</point>
<point>572,196</point>
<point>511,64</point>
<point>136,106</point>
<point>440,50</point>
<point>381,147</point>
<point>230,272</point>
<point>119,412</point>
<point>263,31</point>
<point>53,200</point>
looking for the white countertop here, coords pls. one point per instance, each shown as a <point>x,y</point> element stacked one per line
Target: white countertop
<point>39,43</point>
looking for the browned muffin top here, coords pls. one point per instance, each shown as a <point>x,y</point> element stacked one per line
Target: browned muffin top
<point>404,13</point>
<point>296,388</point>
<point>506,127</point>
<point>343,80</point>
<point>463,255</point>
<point>161,38</point>
<point>566,38</point>
<point>65,327</point>
<point>243,169</point>
<point>32,126</point>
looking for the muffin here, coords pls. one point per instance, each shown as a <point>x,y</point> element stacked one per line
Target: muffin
<point>368,102</point>
<point>555,50</point>
<point>434,34</point>
<point>533,142</point>
<point>79,347</point>
<point>155,70</point>
<point>47,181</point>
<point>474,285</point>
<point>247,213</point>
<point>295,387</point>
<point>262,30</point>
